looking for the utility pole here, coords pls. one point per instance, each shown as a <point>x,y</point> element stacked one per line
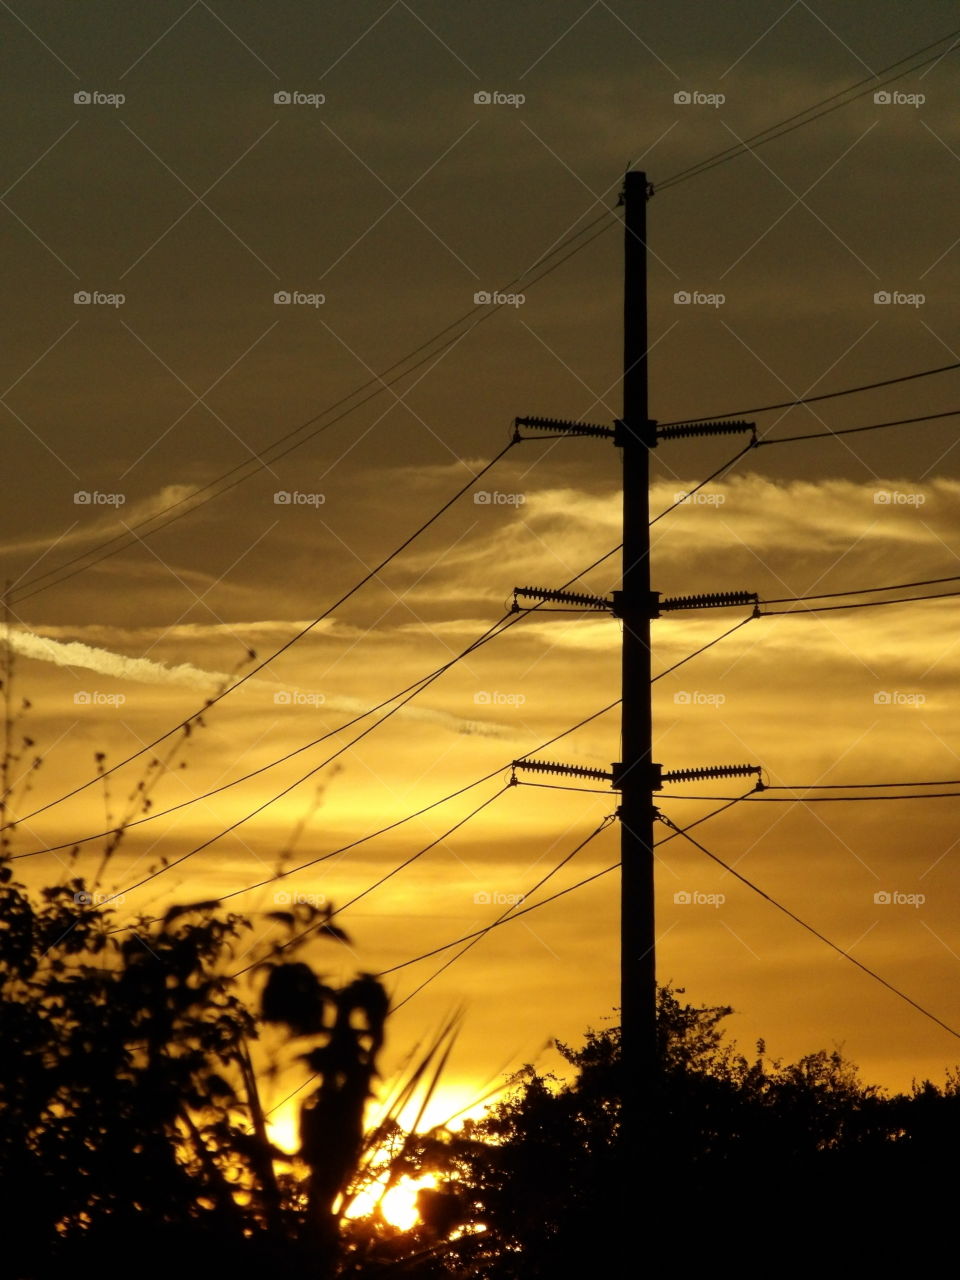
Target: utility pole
<point>636,435</point>
<point>636,776</point>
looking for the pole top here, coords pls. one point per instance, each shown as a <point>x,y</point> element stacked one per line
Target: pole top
<point>634,184</point>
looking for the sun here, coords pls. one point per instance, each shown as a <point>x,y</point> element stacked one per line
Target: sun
<point>398,1206</point>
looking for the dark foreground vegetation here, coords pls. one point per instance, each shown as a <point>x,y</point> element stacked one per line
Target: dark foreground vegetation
<point>133,1137</point>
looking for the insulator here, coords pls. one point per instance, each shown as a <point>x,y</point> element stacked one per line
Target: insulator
<point>564,597</point>
<point>574,770</point>
<point>715,600</point>
<point>684,429</point>
<point>711,771</point>
<point>565,428</point>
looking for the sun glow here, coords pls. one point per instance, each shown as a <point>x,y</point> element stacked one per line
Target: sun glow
<point>398,1206</point>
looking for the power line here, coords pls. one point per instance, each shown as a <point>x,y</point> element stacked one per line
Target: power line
<point>934,795</point>
<point>481,640</point>
<point>491,633</point>
<point>379,382</point>
<point>130,535</point>
<point>426,955</point>
<point>210,702</point>
<point>826,395</point>
<point>333,853</point>
<point>279,796</point>
<point>383,879</point>
<point>857,591</point>
<point>506,918</point>
<point>852,431</point>
<point>500,919</point>
<point>835,786</point>
<point>713,476</point>
<point>857,604</point>
<point>810,929</point>
<point>283,874</point>
<point>703,648</point>
<point>813,112</point>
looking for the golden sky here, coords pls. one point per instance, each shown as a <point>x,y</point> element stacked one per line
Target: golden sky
<point>383,210</point>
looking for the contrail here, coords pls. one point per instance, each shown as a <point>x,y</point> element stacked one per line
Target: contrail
<point>73,653</point>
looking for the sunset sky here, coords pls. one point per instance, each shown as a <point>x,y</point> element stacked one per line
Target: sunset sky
<point>151,168</point>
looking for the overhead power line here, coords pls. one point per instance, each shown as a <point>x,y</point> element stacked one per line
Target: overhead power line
<point>414,857</point>
<point>242,680</point>
<point>816,110</point>
<point>426,955</point>
<point>857,604</point>
<point>508,911</point>
<point>856,591</point>
<point>136,532</point>
<point>825,395</point>
<point>481,640</point>
<point>810,929</point>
